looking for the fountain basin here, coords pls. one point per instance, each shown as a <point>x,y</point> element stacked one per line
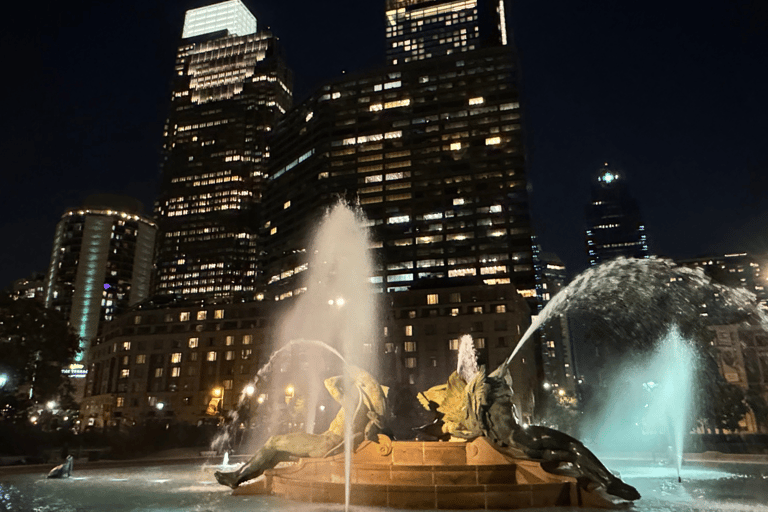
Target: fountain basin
<point>427,476</point>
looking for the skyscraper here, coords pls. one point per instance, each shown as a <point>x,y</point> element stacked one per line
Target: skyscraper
<point>431,148</point>
<point>101,263</point>
<point>614,224</point>
<point>422,29</point>
<point>231,86</point>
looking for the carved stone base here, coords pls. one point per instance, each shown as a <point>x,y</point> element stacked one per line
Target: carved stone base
<point>427,475</point>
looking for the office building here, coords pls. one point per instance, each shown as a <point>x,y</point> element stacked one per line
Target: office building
<point>101,263</point>
<point>614,224</point>
<point>432,151</point>
<point>423,29</point>
<point>231,86</point>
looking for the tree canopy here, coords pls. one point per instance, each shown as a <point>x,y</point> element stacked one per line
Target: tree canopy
<point>35,344</point>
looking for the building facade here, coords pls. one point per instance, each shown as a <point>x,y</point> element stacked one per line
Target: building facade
<point>101,263</point>
<point>422,29</point>
<point>432,151</point>
<point>181,361</point>
<point>738,270</point>
<point>742,357</point>
<point>423,328</point>
<point>230,88</point>
<point>614,224</point>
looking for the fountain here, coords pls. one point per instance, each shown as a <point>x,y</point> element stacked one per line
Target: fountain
<point>471,474</point>
<point>500,464</point>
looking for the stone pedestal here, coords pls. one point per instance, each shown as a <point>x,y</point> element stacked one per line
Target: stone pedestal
<point>426,475</point>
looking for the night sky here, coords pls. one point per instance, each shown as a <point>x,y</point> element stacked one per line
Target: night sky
<point>672,97</point>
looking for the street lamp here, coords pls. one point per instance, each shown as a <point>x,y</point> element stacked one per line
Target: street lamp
<point>289,392</point>
<point>217,392</point>
<point>3,380</point>
<point>249,390</point>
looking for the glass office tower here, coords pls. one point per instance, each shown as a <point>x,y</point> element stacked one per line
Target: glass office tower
<point>230,88</point>
<point>431,149</point>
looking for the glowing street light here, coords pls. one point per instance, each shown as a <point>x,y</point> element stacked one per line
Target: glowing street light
<point>3,380</point>
<point>217,392</point>
<point>289,392</point>
<point>160,406</point>
<point>50,405</point>
<point>249,389</point>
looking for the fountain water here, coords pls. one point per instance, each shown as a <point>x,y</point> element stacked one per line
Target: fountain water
<point>651,400</point>
<point>642,298</point>
<point>335,305</point>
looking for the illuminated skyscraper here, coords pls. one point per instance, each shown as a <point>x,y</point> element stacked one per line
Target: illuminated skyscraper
<point>433,151</point>
<point>101,263</point>
<point>231,86</point>
<point>614,225</point>
<point>422,29</point>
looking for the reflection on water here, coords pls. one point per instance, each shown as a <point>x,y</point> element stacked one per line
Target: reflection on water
<point>729,487</point>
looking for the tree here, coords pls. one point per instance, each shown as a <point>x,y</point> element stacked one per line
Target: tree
<point>35,344</point>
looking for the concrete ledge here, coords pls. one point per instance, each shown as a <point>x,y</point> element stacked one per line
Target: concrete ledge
<point>43,469</point>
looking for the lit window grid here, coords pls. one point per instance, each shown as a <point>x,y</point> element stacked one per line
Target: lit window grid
<point>370,166</point>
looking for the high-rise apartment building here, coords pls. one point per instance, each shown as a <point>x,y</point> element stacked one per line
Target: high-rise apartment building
<point>101,263</point>
<point>431,149</point>
<point>614,224</point>
<point>231,86</point>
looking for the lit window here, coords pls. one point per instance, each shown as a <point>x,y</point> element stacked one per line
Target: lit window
<point>453,344</point>
<point>158,372</point>
<point>218,314</point>
<point>247,339</point>
<point>455,146</point>
<point>230,340</point>
<point>476,101</point>
<point>477,310</point>
<point>194,342</point>
<point>389,348</point>
<point>126,345</point>
<point>480,342</point>
<point>410,362</point>
<point>120,402</point>
<point>286,205</point>
<point>184,316</point>
<point>176,357</point>
<point>409,330</point>
<point>211,355</point>
<point>273,230</point>
<point>141,358</point>
<point>136,319</point>
<point>229,355</point>
<point>410,346</point>
<point>454,311</point>
<point>501,308</point>
<point>125,373</point>
<point>412,313</point>
<point>175,371</point>
<point>492,141</point>
<point>432,298</point>
<point>228,384</point>
<point>201,315</point>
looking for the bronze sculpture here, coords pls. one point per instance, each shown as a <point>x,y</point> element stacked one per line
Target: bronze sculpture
<point>366,422</point>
